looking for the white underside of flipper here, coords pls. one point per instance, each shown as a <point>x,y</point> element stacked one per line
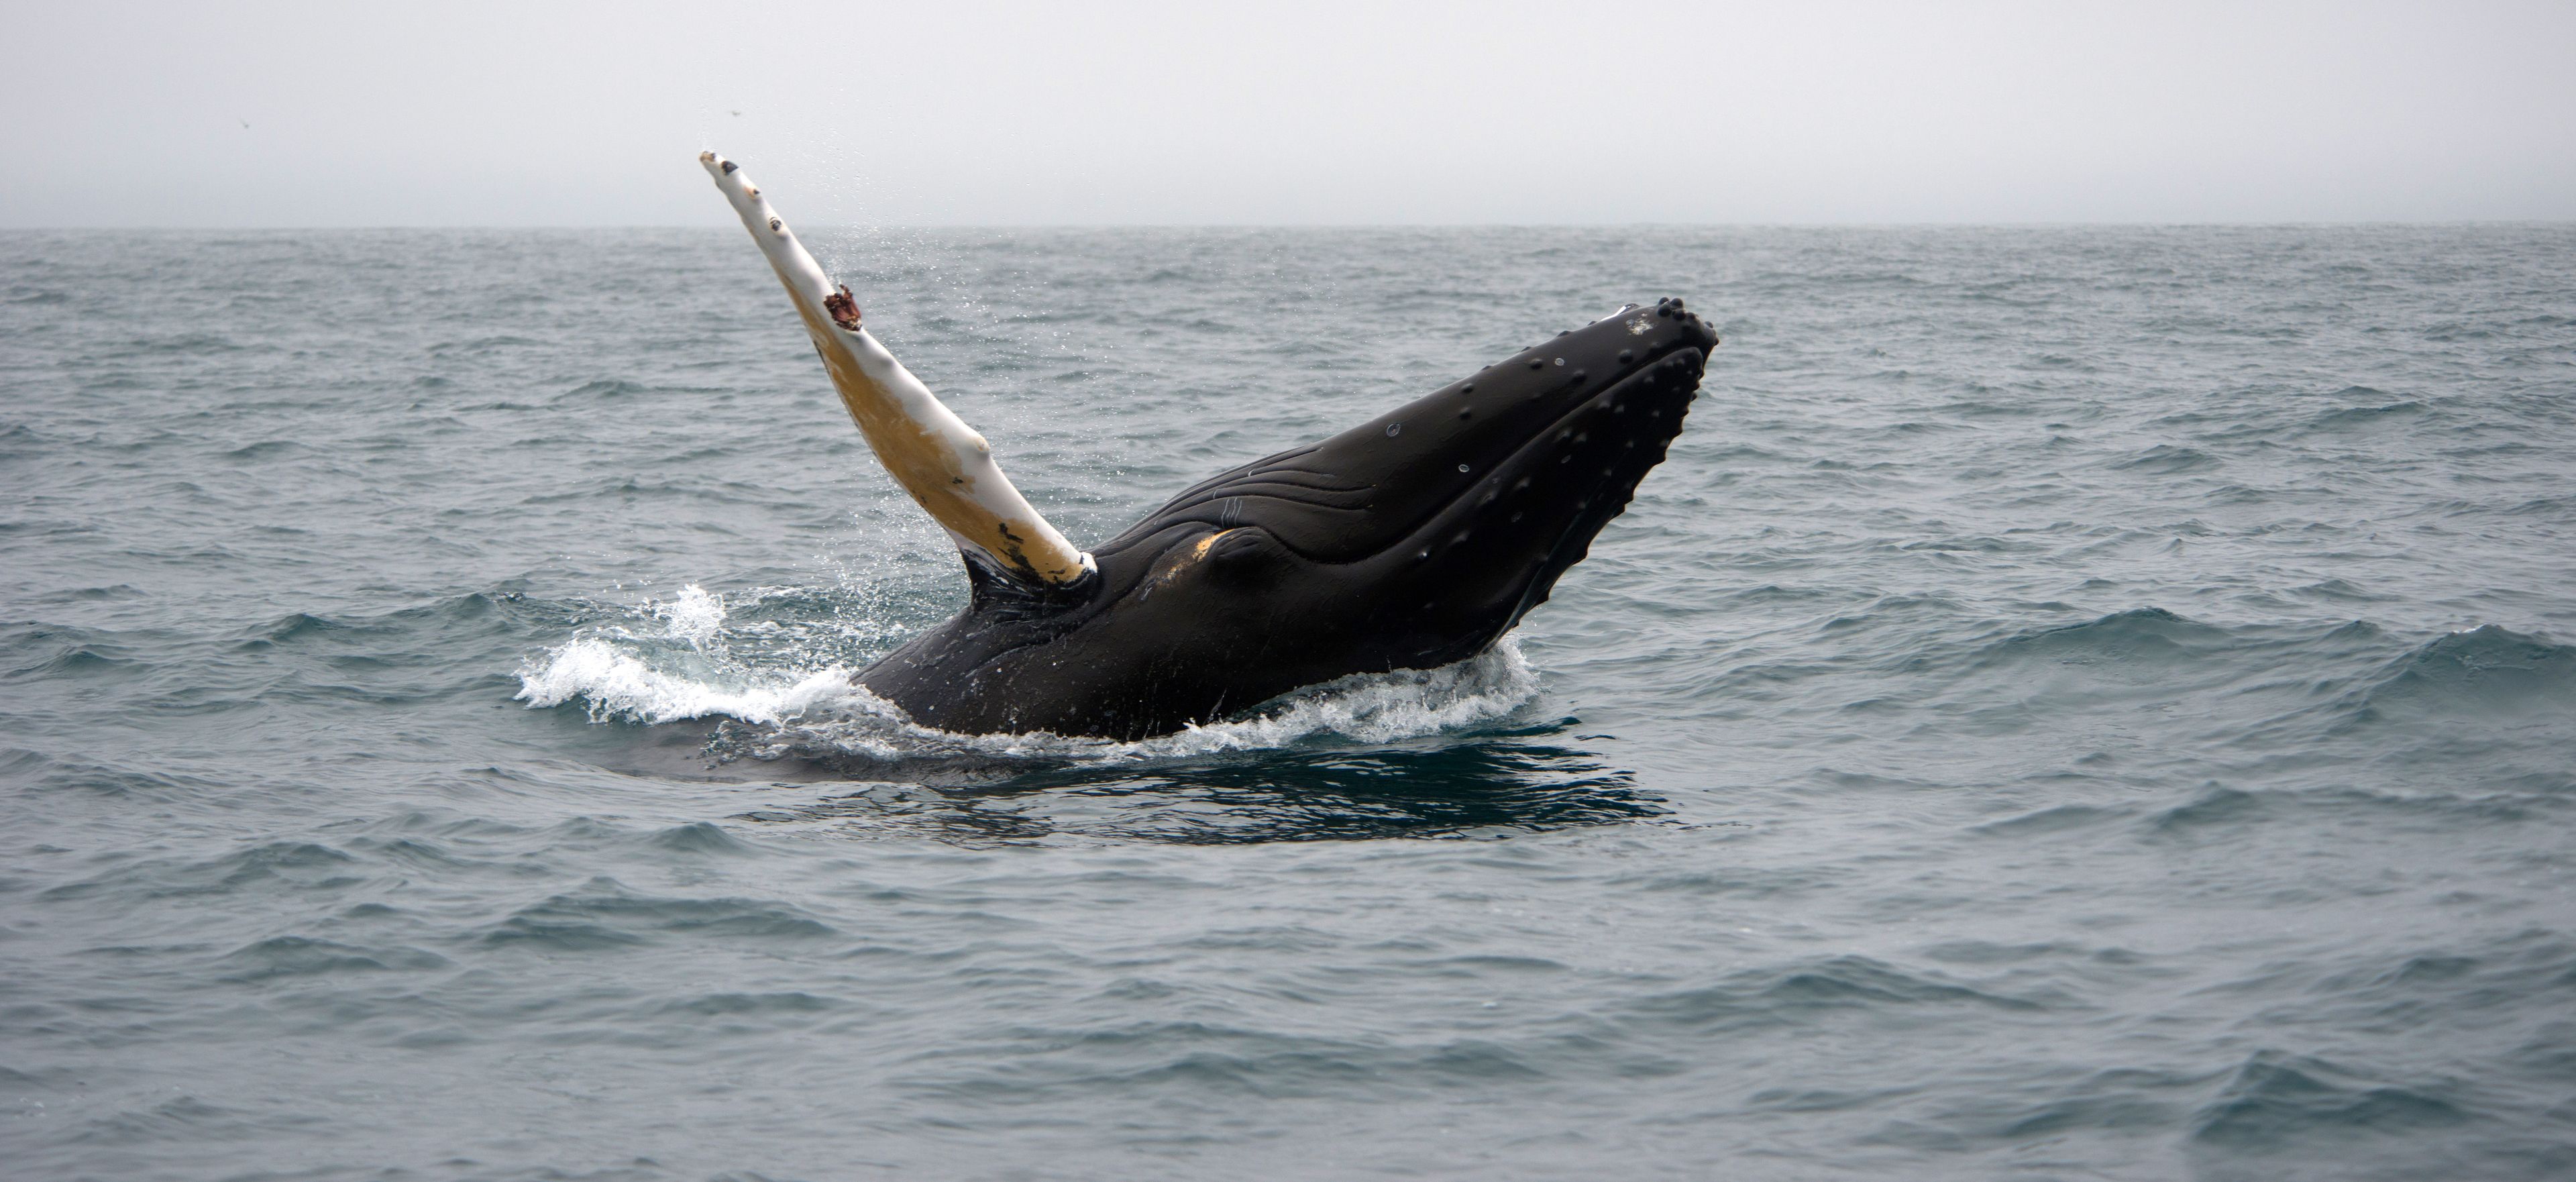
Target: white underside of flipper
<point>933,454</point>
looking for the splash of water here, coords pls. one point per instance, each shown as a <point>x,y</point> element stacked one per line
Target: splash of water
<point>686,669</point>
<point>1366,708</point>
<point>616,684</point>
<point>694,615</point>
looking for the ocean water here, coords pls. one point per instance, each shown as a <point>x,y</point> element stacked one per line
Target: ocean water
<point>2077,703</point>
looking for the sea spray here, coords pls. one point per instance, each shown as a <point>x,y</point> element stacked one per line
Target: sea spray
<point>686,668</point>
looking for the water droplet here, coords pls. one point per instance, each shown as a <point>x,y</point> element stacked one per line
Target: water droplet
<point>1462,467</point>
<point>1560,361</point>
<point>1394,429</point>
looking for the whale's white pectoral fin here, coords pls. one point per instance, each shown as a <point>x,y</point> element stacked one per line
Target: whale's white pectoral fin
<point>945,465</point>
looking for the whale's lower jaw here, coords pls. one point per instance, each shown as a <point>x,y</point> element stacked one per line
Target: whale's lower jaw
<point>1413,541</point>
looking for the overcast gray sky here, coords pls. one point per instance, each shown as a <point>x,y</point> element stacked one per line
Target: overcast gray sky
<point>1286,112</point>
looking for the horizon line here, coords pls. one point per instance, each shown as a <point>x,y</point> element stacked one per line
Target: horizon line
<point>2323,223</point>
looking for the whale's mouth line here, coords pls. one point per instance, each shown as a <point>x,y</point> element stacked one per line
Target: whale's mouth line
<point>1221,523</point>
<point>1219,503</point>
<point>1588,490</point>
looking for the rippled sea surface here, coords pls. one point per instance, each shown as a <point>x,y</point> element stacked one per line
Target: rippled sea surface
<point>2077,703</point>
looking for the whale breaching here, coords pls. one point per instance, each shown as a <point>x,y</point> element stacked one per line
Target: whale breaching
<point>1411,541</point>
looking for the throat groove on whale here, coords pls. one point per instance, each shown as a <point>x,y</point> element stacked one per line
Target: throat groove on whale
<point>1414,540</point>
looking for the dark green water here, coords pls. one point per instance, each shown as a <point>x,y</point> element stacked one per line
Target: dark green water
<point>2077,703</point>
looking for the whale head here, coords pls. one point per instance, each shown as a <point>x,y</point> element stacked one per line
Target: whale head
<point>1410,541</point>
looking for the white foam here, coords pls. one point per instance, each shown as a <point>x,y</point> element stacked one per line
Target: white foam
<point>1369,708</point>
<point>688,669</point>
<point>618,685</point>
<point>695,616</point>
<point>1380,707</point>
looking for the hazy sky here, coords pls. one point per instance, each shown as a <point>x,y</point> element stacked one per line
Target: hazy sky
<point>1285,112</point>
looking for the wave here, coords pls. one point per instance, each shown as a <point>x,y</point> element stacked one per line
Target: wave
<point>300,865</point>
<point>2364,416</point>
<point>2486,670</point>
<point>280,957</point>
<point>605,914</point>
<point>604,388</point>
<point>2165,459</point>
<point>480,345</point>
<point>1802,993</point>
<point>2277,1101</point>
<point>689,669</point>
<point>2140,638</point>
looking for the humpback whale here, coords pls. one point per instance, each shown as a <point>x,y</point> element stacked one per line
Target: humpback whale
<point>1410,541</point>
